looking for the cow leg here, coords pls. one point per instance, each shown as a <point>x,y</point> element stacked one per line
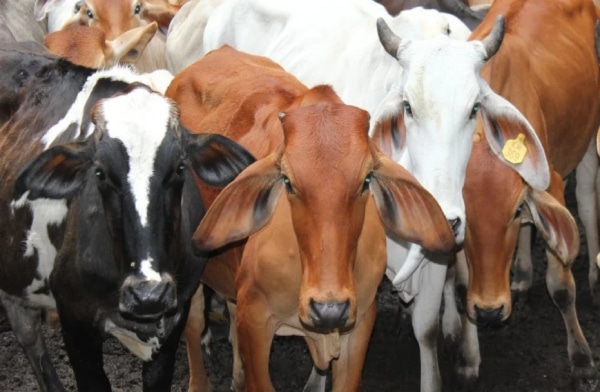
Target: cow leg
<point>561,286</point>
<point>469,356</point>
<point>83,343</point>
<point>255,336</point>
<point>347,369</point>
<point>451,323</point>
<point>425,321</point>
<point>522,269</point>
<point>27,327</point>
<point>239,379</point>
<point>194,327</point>
<point>157,374</point>
<point>587,208</point>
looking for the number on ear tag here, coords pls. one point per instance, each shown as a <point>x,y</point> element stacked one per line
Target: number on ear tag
<point>514,150</point>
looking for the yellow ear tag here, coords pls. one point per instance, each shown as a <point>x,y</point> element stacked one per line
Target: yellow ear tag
<point>514,150</point>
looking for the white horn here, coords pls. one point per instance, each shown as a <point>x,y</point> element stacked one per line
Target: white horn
<point>413,260</point>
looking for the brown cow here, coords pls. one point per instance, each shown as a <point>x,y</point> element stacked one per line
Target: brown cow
<point>88,46</point>
<point>547,67</point>
<point>306,261</point>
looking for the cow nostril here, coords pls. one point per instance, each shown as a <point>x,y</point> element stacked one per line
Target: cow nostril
<point>455,225</point>
<point>489,317</point>
<point>330,314</point>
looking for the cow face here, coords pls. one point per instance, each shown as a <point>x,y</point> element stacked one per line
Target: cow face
<point>128,182</point>
<point>437,115</point>
<point>497,205</point>
<point>327,169</point>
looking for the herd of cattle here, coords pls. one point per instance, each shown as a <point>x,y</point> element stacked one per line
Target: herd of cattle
<point>289,155</point>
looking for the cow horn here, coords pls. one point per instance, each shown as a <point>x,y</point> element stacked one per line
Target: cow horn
<point>492,42</point>
<point>388,38</point>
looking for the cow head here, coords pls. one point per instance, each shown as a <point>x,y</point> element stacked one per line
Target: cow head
<point>435,107</point>
<point>127,184</point>
<point>498,202</point>
<point>88,46</point>
<point>327,170</point>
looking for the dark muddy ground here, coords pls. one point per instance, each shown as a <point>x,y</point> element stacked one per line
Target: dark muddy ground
<point>526,354</point>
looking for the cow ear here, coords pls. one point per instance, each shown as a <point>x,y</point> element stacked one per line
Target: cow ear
<point>128,47</point>
<point>555,223</point>
<point>390,135</point>
<point>242,208</point>
<point>57,173</point>
<point>514,141</point>
<point>387,128</point>
<point>408,210</point>
<point>216,159</point>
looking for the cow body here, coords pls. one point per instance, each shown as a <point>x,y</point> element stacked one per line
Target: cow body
<point>307,245</point>
<point>556,87</point>
<point>424,120</point>
<point>92,193</point>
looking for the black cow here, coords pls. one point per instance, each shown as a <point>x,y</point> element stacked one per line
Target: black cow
<point>98,200</point>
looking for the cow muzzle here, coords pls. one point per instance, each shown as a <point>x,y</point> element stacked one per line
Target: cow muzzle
<point>144,298</point>
<point>329,315</point>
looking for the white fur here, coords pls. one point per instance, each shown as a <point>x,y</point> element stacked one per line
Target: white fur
<point>75,112</point>
<point>45,212</point>
<point>141,134</point>
<point>142,350</point>
<point>147,270</point>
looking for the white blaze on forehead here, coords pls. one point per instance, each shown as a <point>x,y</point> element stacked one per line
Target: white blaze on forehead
<point>76,113</point>
<point>147,270</point>
<point>139,120</point>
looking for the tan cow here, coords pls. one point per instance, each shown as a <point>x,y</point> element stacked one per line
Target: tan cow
<point>547,67</point>
<point>305,224</point>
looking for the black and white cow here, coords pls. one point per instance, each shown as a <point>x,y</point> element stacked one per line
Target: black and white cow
<point>98,200</point>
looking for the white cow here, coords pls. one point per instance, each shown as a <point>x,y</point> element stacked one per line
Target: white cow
<point>429,89</point>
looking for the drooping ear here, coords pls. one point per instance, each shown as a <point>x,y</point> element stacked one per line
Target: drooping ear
<point>57,173</point>
<point>407,209</point>
<point>128,47</point>
<point>242,208</point>
<point>387,128</point>
<point>514,141</point>
<point>390,135</point>
<point>555,223</point>
<point>216,159</point>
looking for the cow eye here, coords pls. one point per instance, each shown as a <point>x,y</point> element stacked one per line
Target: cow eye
<point>100,174</point>
<point>518,212</point>
<point>78,6</point>
<point>90,14</point>
<point>180,169</point>
<point>366,183</point>
<point>474,111</point>
<point>407,108</point>
<point>288,185</point>
<point>137,9</point>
